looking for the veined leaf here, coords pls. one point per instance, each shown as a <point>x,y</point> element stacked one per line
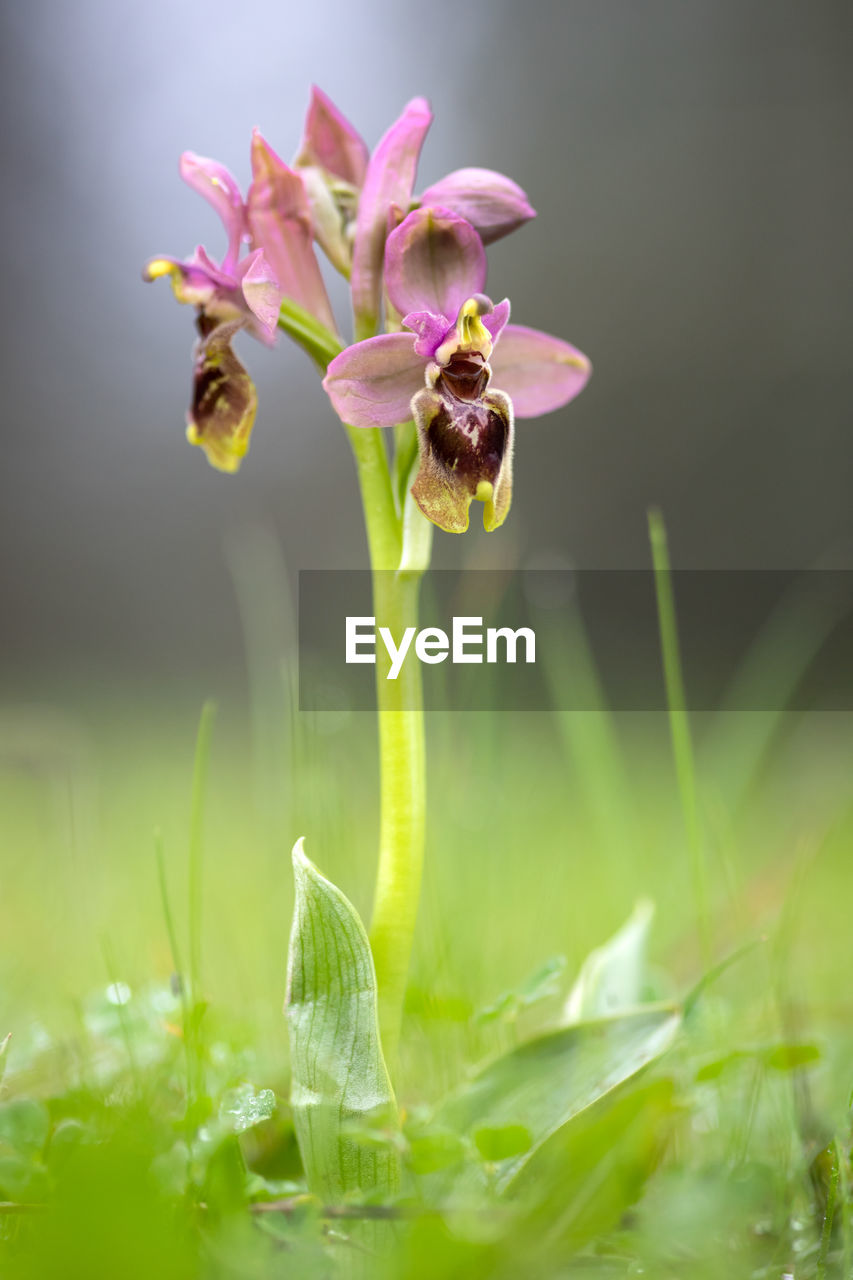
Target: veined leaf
<point>613,976</point>
<point>586,1176</point>
<point>547,1082</point>
<point>340,1083</point>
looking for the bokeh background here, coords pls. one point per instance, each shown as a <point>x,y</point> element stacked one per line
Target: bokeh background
<point>690,163</point>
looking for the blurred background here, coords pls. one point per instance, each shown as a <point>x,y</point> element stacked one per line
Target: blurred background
<point>690,161</point>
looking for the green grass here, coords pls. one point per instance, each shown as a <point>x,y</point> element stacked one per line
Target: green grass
<point>120,1117</point>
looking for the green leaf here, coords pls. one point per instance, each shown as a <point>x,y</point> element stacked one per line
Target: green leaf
<point>547,1082</point>
<point>503,1142</point>
<point>339,1079</point>
<point>586,1176</point>
<point>542,984</point>
<point>776,1057</point>
<point>24,1125</point>
<point>613,977</point>
<point>791,1057</point>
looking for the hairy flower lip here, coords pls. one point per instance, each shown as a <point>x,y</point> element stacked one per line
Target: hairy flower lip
<point>224,400</point>
<point>465,449</point>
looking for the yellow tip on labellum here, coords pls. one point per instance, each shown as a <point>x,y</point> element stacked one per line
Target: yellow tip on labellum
<point>485,491</point>
<point>223,455</point>
<point>158,267</point>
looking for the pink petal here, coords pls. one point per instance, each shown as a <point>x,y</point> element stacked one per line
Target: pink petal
<point>261,291</point>
<point>197,281</point>
<point>433,262</point>
<point>201,259</point>
<point>331,142</point>
<point>390,180</point>
<point>538,372</point>
<point>213,181</point>
<point>490,201</point>
<point>280,223</point>
<point>371,383</point>
<point>496,321</point>
<point>431,330</point>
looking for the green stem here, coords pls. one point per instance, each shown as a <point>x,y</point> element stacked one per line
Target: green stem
<point>384,538</point>
<point>402,770</point>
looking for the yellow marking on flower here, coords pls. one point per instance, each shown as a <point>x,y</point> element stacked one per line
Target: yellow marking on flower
<point>469,333</point>
<point>224,455</point>
<point>158,267</point>
<point>473,334</point>
<point>485,491</point>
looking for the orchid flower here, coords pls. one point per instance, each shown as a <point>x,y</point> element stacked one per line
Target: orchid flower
<point>354,196</point>
<point>242,292</point>
<point>361,209</point>
<point>440,373</point>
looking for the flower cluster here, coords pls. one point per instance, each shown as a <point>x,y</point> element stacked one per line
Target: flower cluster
<point>448,359</point>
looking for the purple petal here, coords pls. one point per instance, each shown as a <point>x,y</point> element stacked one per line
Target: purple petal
<point>331,142</point>
<point>431,331</point>
<point>201,260</point>
<point>371,383</point>
<point>490,201</point>
<point>390,180</point>
<point>213,181</point>
<point>261,291</point>
<point>496,321</point>
<point>197,281</point>
<point>280,224</point>
<point>433,262</point>
<point>538,372</point>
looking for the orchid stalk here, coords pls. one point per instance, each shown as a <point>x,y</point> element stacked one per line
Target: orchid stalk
<point>433,358</point>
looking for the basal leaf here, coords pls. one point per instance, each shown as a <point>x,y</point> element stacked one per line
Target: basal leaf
<point>548,1081</point>
<point>612,977</point>
<point>586,1176</point>
<point>340,1085</point>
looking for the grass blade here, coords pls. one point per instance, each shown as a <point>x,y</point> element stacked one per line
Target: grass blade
<point>679,727</point>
